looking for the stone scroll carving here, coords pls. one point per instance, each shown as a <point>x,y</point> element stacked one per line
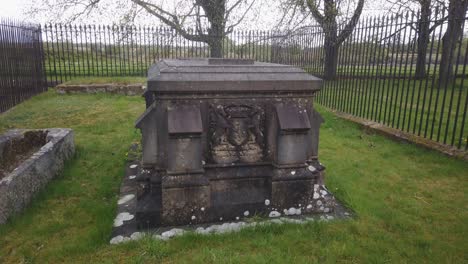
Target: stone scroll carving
<point>236,133</point>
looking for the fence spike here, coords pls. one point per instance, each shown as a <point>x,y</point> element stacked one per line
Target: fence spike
<point>379,30</point>
<point>21,64</point>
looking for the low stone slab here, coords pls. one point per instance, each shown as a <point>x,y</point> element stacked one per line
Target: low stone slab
<point>227,227</point>
<point>113,88</point>
<point>323,208</point>
<point>397,134</point>
<point>19,186</point>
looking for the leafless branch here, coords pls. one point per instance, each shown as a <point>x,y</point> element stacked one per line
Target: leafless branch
<point>229,10</point>
<point>231,27</point>
<point>395,33</point>
<point>314,10</point>
<point>438,23</point>
<point>172,21</point>
<point>351,23</point>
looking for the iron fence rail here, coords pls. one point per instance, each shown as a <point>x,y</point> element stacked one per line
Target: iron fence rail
<point>379,72</point>
<point>21,63</point>
<point>379,82</point>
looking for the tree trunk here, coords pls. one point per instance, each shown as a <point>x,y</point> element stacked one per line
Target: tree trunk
<point>333,40</point>
<point>215,11</point>
<point>457,11</point>
<point>423,39</point>
<point>215,41</point>
<point>331,58</point>
<point>216,47</point>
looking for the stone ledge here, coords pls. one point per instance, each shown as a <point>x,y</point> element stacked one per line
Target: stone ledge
<point>322,207</point>
<point>113,88</point>
<point>19,187</point>
<point>404,136</point>
<point>228,227</point>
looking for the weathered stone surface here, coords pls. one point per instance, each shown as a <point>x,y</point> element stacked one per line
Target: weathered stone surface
<point>18,188</point>
<point>113,88</point>
<point>323,207</point>
<point>227,76</point>
<point>226,135</point>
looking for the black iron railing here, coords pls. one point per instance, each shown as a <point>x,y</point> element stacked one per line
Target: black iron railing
<point>388,70</point>
<point>21,63</point>
<point>387,74</point>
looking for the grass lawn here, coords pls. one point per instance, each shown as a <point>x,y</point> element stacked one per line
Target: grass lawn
<point>411,203</point>
<point>409,105</point>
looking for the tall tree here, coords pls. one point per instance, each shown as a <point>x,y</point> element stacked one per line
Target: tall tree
<point>427,22</point>
<point>212,20</point>
<point>212,14</point>
<point>424,30</point>
<point>456,18</point>
<point>328,21</point>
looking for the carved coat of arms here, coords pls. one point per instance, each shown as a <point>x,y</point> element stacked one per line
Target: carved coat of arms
<point>236,133</point>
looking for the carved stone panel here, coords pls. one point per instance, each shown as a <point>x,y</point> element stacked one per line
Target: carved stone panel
<point>236,133</point>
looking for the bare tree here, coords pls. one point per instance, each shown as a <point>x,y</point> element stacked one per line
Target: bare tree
<point>328,14</point>
<point>211,20</point>
<point>427,22</point>
<point>456,14</point>
<point>212,14</point>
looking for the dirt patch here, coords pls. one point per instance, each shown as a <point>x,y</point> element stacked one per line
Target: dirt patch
<point>18,150</point>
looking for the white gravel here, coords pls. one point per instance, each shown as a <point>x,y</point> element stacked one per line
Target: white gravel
<point>274,214</point>
<point>118,221</point>
<point>126,198</point>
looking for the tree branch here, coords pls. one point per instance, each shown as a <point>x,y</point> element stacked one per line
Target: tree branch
<point>231,27</point>
<point>173,21</point>
<point>438,23</point>
<point>351,24</point>
<point>229,10</point>
<point>395,33</point>
<point>87,9</point>
<point>313,7</point>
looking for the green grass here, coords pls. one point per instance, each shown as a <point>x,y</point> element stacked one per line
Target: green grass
<point>410,203</point>
<point>404,104</point>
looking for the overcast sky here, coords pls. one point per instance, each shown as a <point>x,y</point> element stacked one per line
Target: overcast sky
<point>17,8</point>
<point>12,9</point>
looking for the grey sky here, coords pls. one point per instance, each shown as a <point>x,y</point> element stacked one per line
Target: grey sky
<point>264,15</point>
<point>12,9</point>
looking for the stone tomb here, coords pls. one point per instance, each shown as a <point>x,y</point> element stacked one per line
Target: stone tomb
<point>224,139</point>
